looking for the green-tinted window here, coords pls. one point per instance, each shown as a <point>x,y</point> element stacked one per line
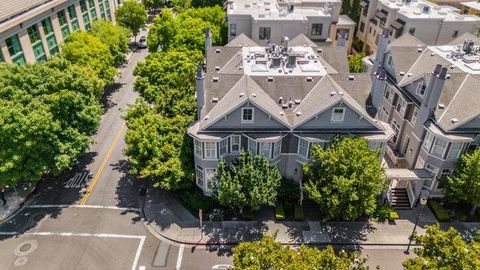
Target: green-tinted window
<point>107,9</point>
<point>34,34</point>
<point>47,26</point>
<point>65,31</point>
<point>62,19</point>
<point>15,49</point>
<point>52,44</point>
<point>102,10</point>
<point>73,18</point>
<point>83,6</point>
<point>86,21</point>
<point>93,11</point>
<point>39,52</point>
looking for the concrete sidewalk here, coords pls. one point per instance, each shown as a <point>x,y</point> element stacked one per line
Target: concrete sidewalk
<point>167,217</point>
<point>15,197</point>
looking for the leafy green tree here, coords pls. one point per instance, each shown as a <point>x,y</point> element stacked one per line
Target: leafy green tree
<point>355,10</point>
<point>49,111</point>
<point>268,254</point>
<point>163,71</point>
<point>444,250</point>
<point>346,179</point>
<point>131,15</point>
<point>464,185</point>
<point>252,183</point>
<point>355,63</point>
<point>346,7</point>
<point>163,30</point>
<point>206,3</point>
<point>114,36</point>
<point>154,4</point>
<point>180,5</point>
<point>158,146</point>
<point>84,49</point>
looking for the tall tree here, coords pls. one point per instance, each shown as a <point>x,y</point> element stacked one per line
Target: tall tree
<point>346,7</point>
<point>252,183</point>
<point>181,5</point>
<point>49,111</point>
<point>268,254</point>
<point>84,49</point>
<point>163,30</point>
<point>154,4</point>
<point>444,250</point>
<point>355,10</point>
<point>464,185</point>
<point>114,36</point>
<point>132,15</point>
<point>346,179</point>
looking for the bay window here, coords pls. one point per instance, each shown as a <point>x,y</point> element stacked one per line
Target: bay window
<point>427,142</point>
<point>455,150</point>
<point>252,146</point>
<point>235,143</point>
<point>265,149</point>
<point>198,148</point>
<point>439,147</point>
<point>210,150</point>
<point>210,177</point>
<point>303,147</point>
<point>200,176</point>
<point>277,148</point>
<point>223,148</point>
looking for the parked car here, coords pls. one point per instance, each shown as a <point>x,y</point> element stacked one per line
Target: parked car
<point>142,42</point>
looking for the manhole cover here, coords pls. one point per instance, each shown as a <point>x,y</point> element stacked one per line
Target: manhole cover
<point>25,247</point>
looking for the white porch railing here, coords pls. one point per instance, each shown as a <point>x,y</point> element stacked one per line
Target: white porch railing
<point>411,194</point>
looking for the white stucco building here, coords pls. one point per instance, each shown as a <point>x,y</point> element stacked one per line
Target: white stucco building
<point>271,20</point>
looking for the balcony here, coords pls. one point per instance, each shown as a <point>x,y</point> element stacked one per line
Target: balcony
<point>394,158</point>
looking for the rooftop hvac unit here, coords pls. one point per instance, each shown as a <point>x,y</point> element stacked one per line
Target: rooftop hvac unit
<point>276,61</point>
<point>292,60</point>
<point>468,46</point>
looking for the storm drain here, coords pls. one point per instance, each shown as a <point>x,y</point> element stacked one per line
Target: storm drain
<point>25,247</point>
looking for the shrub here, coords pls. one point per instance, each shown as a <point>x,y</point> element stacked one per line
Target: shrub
<point>194,200</point>
<point>438,210</point>
<point>393,215</point>
<point>279,212</point>
<point>382,213</point>
<point>299,216</point>
<point>247,214</point>
<point>288,190</point>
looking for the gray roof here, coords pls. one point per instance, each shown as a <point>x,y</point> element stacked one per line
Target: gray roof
<point>302,40</point>
<point>407,40</point>
<point>240,41</point>
<point>12,8</point>
<point>462,38</point>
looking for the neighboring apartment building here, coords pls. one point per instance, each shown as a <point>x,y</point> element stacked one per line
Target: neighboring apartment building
<point>272,20</point>
<point>430,96</point>
<point>470,8</point>
<point>278,101</point>
<point>32,30</point>
<point>431,23</point>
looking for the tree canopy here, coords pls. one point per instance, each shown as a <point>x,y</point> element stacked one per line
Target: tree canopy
<point>186,30</point>
<point>345,179</point>
<point>154,4</point>
<point>355,63</point>
<point>114,36</point>
<point>49,110</point>
<point>464,185</point>
<point>132,15</point>
<point>84,49</point>
<point>444,250</point>
<point>268,254</point>
<point>252,182</point>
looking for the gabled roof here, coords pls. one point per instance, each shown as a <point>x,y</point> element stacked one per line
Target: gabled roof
<point>302,40</point>
<point>407,40</point>
<point>240,41</point>
<point>459,40</point>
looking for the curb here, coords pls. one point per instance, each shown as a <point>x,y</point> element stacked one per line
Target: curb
<point>27,201</point>
<point>162,237</point>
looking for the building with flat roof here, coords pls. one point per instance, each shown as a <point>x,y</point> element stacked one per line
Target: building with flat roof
<point>270,20</point>
<point>432,24</point>
<point>32,30</point>
<point>470,8</point>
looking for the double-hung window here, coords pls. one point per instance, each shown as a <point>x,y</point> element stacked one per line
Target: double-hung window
<point>210,150</point>
<point>264,33</point>
<point>277,148</point>
<point>439,147</point>
<point>317,29</point>
<point>427,142</point>
<point>15,49</point>
<point>252,146</point>
<point>73,18</point>
<point>401,107</point>
<point>233,29</point>
<point>235,143</point>
<point>36,41</point>
<point>338,114</point>
<point>303,146</point>
<point>223,148</point>
<point>265,149</point>
<point>414,115</point>
<point>200,176</point>
<point>455,150</point>
<point>198,148</point>
<point>247,115</point>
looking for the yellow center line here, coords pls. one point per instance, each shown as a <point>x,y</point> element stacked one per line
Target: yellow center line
<point>102,165</point>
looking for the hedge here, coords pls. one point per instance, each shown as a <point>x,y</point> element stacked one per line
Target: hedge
<point>298,213</point>
<point>438,211</point>
<point>279,212</point>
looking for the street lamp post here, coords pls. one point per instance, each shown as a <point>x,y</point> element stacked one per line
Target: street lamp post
<point>423,202</point>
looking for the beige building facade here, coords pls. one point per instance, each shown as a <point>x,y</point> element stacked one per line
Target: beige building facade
<point>32,30</point>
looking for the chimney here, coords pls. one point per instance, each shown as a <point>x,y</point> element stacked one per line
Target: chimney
<point>381,49</point>
<point>341,38</point>
<point>208,40</point>
<point>200,90</point>
<point>431,97</point>
<point>378,87</point>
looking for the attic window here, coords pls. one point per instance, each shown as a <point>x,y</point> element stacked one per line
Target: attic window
<point>351,77</point>
<point>218,50</point>
<point>270,79</point>
<point>217,68</point>
<point>215,99</point>
<point>309,79</point>
<point>214,79</point>
<point>338,114</point>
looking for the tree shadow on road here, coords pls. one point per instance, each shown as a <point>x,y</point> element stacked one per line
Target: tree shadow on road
<point>128,190</point>
<point>107,101</point>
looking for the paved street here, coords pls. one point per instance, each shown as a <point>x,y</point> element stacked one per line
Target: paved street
<point>88,218</point>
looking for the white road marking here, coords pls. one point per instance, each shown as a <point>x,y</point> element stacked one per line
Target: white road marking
<point>222,266</point>
<point>180,256</point>
<point>78,180</point>
<point>82,206</point>
<point>141,268</point>
<point>99,235</point>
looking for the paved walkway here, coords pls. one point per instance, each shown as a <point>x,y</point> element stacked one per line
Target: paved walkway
<point>167,217</point>
<point>15,198</point>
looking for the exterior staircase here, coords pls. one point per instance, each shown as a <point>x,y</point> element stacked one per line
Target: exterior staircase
<point>399,198</point>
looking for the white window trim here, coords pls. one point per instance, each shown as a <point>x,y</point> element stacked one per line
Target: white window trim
<point>298,147</point>
<point>444,148</point>
<point>206,181</point>
<point>253,116</point>
<point>279,144</point>
<point>414,117</point>
<point>256,146</point>
<point>205,150</point>
<point>259,146</point>
<point>220,147</point>
<point>419,85</point>
<point>429,147</point>
<point>195,143</point>
<point>448,157</point>
<point>239,143</point>
<point>199,168</point>
<point>333,113</point>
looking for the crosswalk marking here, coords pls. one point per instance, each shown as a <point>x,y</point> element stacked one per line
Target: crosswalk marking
<point>180,257</point>
<point>79,180</point>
